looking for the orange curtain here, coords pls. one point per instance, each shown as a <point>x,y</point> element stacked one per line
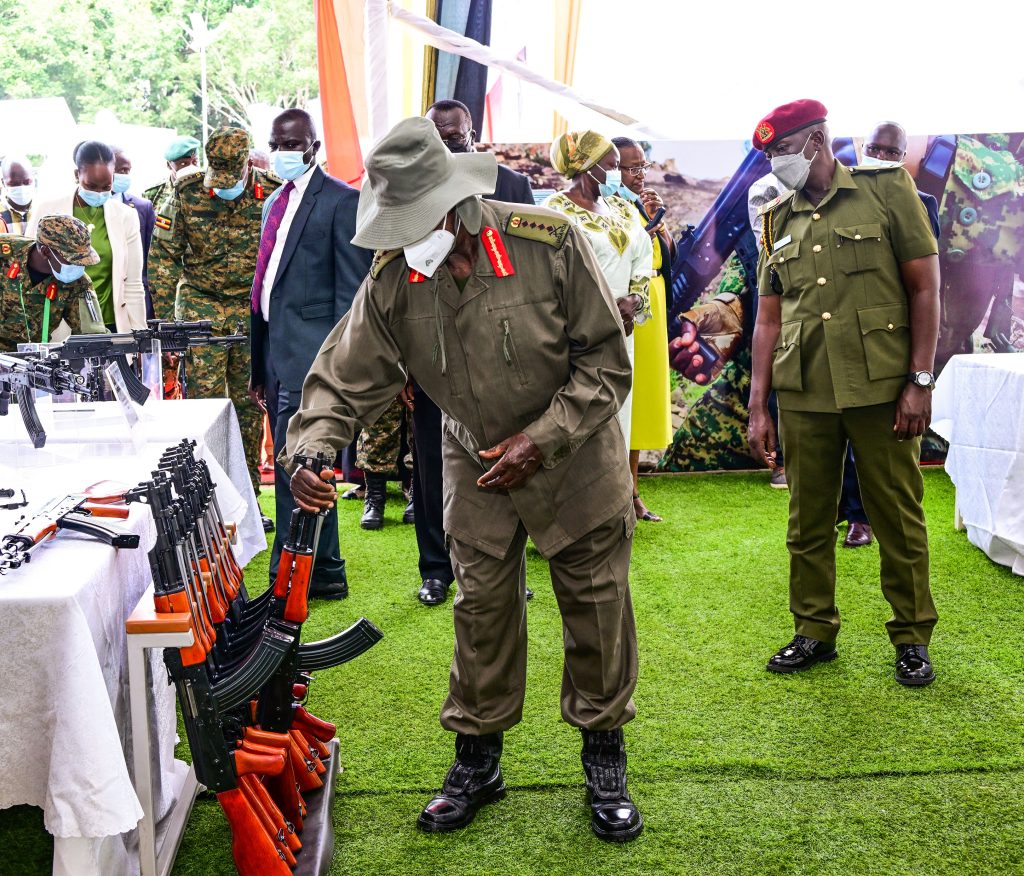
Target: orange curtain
<point>341,139</point>
<point>567,29</point>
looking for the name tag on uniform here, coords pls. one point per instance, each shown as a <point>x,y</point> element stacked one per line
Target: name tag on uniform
<point>781,243</point>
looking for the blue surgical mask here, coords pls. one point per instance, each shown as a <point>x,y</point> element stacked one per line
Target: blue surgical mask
<point>628,194</point>
<point>93,199</point>
<point>232,193</point>
<point>122,182</point>
<point>610,186</point>
<point>20,196</point>
<point>67,273</point>
<point>289,165</point>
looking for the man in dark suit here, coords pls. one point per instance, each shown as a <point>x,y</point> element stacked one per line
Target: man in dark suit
<point>455,125</point>
<point>143,209</point>
<point>307,274</point>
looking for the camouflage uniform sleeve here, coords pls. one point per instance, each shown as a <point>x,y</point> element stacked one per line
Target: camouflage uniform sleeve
<point>166,258</point>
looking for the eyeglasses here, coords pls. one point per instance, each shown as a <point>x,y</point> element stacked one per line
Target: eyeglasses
<point>638,170</point>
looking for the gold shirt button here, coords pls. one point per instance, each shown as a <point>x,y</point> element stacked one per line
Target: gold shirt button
<point>816,247</point>
<point>822,281</point>
<point>856,237</point>
<point>826,315</point>
<point>890,326</point>
<point>816,216</point>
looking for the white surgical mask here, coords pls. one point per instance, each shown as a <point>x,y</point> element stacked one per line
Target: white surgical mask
<point>429,253</point>
<point>792,170</point>
<point>870,161</point>
<point>20,196</point>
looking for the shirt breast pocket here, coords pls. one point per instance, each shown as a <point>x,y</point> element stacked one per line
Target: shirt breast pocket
<point>859,247</point>
<point>786,265</point>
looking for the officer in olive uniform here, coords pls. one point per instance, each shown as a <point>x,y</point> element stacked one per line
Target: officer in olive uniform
<point>846,332</point>
<point>43,281</point>
<point>516,338</point>
<point>211,243</point>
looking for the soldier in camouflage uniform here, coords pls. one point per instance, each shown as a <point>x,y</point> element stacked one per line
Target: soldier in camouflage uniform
<point>377,454</point>
<point>713,433</point>
<point>981,246</point>
<point>212,244</point>
<point>29,279</point>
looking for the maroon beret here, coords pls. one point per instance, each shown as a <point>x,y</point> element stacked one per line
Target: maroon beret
<point>786,119</point>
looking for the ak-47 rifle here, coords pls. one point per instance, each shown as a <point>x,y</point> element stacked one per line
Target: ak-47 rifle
<point>74,513</point>
<point>21,377</point>
<point>701,251</point>
<point>172,337</point>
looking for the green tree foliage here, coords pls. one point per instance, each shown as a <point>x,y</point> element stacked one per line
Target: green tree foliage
<point>133,57</point>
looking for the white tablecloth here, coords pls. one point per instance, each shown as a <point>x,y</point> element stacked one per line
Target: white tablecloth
<point>64,708</point>
<point>978,407</point>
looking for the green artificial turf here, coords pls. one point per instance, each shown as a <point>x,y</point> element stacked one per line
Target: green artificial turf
<point>737,771</point>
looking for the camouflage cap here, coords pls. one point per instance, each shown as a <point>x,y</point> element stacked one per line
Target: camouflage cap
<point>68,237</point>
<point>227,152</point>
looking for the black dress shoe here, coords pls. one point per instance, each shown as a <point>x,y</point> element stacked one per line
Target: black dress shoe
<point>268,524</point>
<point>613,815</point>
<point>434,591</point>
<point>913,665</point>
<point>373,507</point>
<point>474,780</point>
<point>802,653</point>
<point>529,594</point>
<point>330,590</point>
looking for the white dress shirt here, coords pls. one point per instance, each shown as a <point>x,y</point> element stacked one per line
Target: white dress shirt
<point>294,199</point>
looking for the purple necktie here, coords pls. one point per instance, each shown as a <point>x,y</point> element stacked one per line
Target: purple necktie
<point>267,242</point>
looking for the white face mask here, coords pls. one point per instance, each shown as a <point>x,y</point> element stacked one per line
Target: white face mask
<point>792,170</point>
<point>428,254</point>
<point>870,161</point>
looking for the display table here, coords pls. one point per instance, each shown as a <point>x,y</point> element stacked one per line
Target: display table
<point>978,407</point>
<point>64,741</point>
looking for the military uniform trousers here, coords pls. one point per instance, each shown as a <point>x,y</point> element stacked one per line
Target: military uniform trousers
<point>328,565</point>
<point>218,372</point>
<point>379,446</point>
<point>590,578</point>
<point>891,487</point>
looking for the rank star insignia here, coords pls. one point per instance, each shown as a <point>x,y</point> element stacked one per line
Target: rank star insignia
<point>5,249</point>
<point>765,132</point>
<point>516,222</point>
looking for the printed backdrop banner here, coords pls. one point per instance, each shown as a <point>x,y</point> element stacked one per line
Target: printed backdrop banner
<point>978,180</point>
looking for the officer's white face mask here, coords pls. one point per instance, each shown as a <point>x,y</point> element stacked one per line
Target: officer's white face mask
<point>870,161</point>
<point>429,253</point>
<point>792,170</point>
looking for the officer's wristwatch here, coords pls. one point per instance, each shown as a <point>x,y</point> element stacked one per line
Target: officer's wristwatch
<point>924,379</point>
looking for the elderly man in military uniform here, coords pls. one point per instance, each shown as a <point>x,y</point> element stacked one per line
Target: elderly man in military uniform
<point>846,333</point>
<point>43,282</point>
<point>503,315</point>
<point>211,243</point>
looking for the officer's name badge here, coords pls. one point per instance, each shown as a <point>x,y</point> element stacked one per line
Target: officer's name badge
<point>782,242</point>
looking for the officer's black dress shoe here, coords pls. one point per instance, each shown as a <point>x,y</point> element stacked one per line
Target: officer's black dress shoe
<point>268,524</point>
<point>802,653</point>
<point>913,665</point>
<point>433,592</point>
<point>858,535</point>
<point>329,590</point>
<point>473,781</point>
<point>613,815</point>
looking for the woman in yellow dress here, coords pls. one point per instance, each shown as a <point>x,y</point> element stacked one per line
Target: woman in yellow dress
<point>651,424</point>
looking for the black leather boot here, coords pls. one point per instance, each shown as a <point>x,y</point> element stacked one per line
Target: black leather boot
<point>373,507</point>
<point>473,781</point>
<point>613,815</point>
<point>409,515</point>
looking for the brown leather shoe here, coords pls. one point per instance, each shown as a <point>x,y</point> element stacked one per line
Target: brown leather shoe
<point>858,535</point>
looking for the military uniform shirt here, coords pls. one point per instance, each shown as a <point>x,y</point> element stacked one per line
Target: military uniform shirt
<point>845,335</point>
<point>16,285</point>
<point>533,343</point>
